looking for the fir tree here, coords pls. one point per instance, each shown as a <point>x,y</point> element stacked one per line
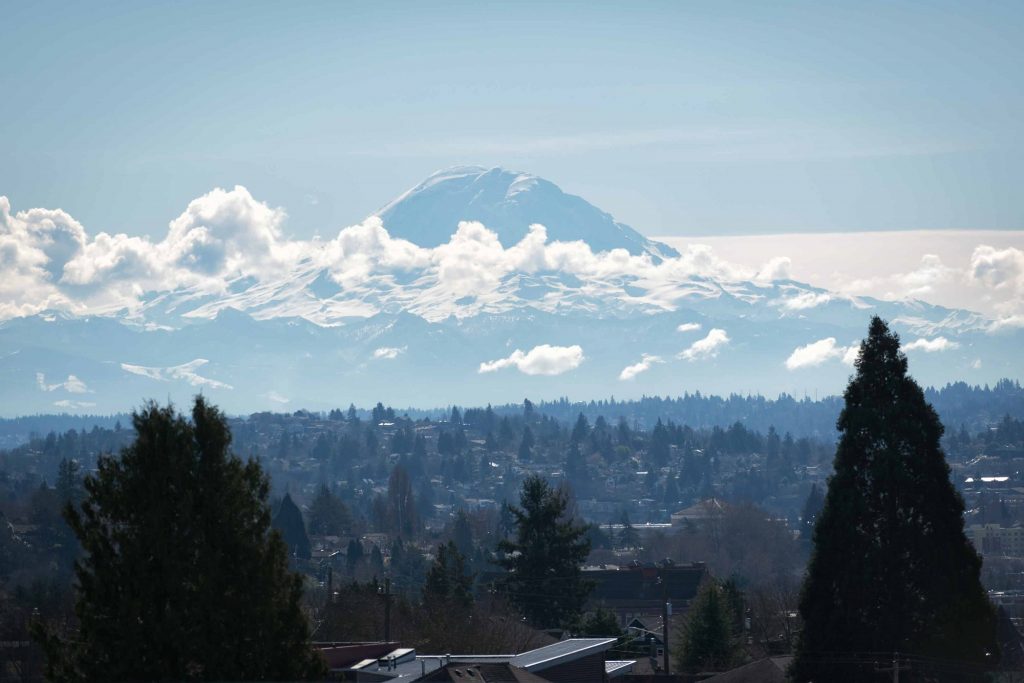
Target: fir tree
<point>180,577</point>
<point>288,521</point>
<point>328,515</point>
<point>707,638</point>
<point>812,509</point>
<point>448,583</point>
<point>891,569</point>
<point>544,560</point>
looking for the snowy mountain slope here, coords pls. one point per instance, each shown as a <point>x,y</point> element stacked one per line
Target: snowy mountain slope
<point>507,202</point>
<point>415,308</point>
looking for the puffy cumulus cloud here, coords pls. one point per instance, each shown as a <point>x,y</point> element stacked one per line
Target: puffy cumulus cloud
<point>1007,322</point>
<point>185,372</point>
<point>540,360</point>
<point>817,353</point>
<point>688,327</point>
<point>777,268</point>
<point>931,345</point>
<point>388,352</point>
<point>998,268</point>
<point>708,347</point>
<point>226,232</point>
<point>72,384</point>
<point>852,354</point>
<point>363,250</point>
<point>631,371</point>
<point>926,277</point>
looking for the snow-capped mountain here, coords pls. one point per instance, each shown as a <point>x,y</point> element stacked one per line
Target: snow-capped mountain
<point>477,285</point>
<point>507,202</point>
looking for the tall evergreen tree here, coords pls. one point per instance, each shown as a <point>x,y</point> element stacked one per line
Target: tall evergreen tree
<point>707,642</point>
<point>812,509</point>
<point>288,521</point>
<point>448,583</point>
<point>181,577</point>
<point>544,560</point>
<point>328,514</point>
<point>891,570</point>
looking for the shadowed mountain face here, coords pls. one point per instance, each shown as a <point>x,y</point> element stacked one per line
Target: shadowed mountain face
<point>507,202</point>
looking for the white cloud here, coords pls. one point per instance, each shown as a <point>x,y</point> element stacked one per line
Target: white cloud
<point>976,364</point>
<point>540,360</point>
<point>777,268</point>
<point>72,384</point>
<point>276,397</point>
<point>227,237</point>
<point>631,371</point>
<point>688,327</point>
<point>708,347</point>
<point>851,354</point>
<point>817,353</point>
<point>75,405</point>
<point>388,352</point>
<point>186,372</point>
<point>931,345</point>
<point>806,300</point>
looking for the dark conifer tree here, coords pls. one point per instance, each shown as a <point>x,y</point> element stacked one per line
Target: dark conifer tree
<point>812,509</point>
<point>544,578</point>
<point>526,445</point>
<point>181,577</point>
<point>288,521</point>
<point>891,570</point>
<point>448,584</point>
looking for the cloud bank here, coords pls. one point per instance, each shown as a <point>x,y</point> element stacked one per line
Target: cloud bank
<point>228,249</point>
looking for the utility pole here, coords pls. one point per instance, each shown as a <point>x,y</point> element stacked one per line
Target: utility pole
<point>665,613</point>
<point>387,609</point>
<point>895,668</point>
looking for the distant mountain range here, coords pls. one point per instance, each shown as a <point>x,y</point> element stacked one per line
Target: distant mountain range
<point>454,293</point>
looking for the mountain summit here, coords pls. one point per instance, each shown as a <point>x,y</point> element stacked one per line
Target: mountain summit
<point>507,202</point>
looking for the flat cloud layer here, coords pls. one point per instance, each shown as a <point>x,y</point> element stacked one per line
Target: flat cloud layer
<point>185,372</point>
<point>540,360</point>
<point>972,269</point>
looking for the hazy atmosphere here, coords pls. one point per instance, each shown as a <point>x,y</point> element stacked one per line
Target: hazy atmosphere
<point>663,342</point>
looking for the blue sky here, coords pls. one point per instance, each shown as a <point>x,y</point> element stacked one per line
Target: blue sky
<point>679,118</point>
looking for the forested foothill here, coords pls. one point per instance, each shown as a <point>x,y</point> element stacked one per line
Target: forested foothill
<point>430,511</point>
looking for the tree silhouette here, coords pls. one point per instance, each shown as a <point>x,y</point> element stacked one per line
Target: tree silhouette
<point>544,560</point>
<point>891,570</point>
<point>181,577</point>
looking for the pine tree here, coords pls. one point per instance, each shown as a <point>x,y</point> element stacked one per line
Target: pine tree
<point>181,577</point>
<point>328,515</point>
<point>544,560</point>
<point>526,445</point>
<point>812,509</point>
<point>448,583</point>
<point>707,638</point>
<point>289,522</point>
<point>891,570</point>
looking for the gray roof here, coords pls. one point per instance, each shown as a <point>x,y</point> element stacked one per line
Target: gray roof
<point>562,651</point>
<point>618,667</point>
